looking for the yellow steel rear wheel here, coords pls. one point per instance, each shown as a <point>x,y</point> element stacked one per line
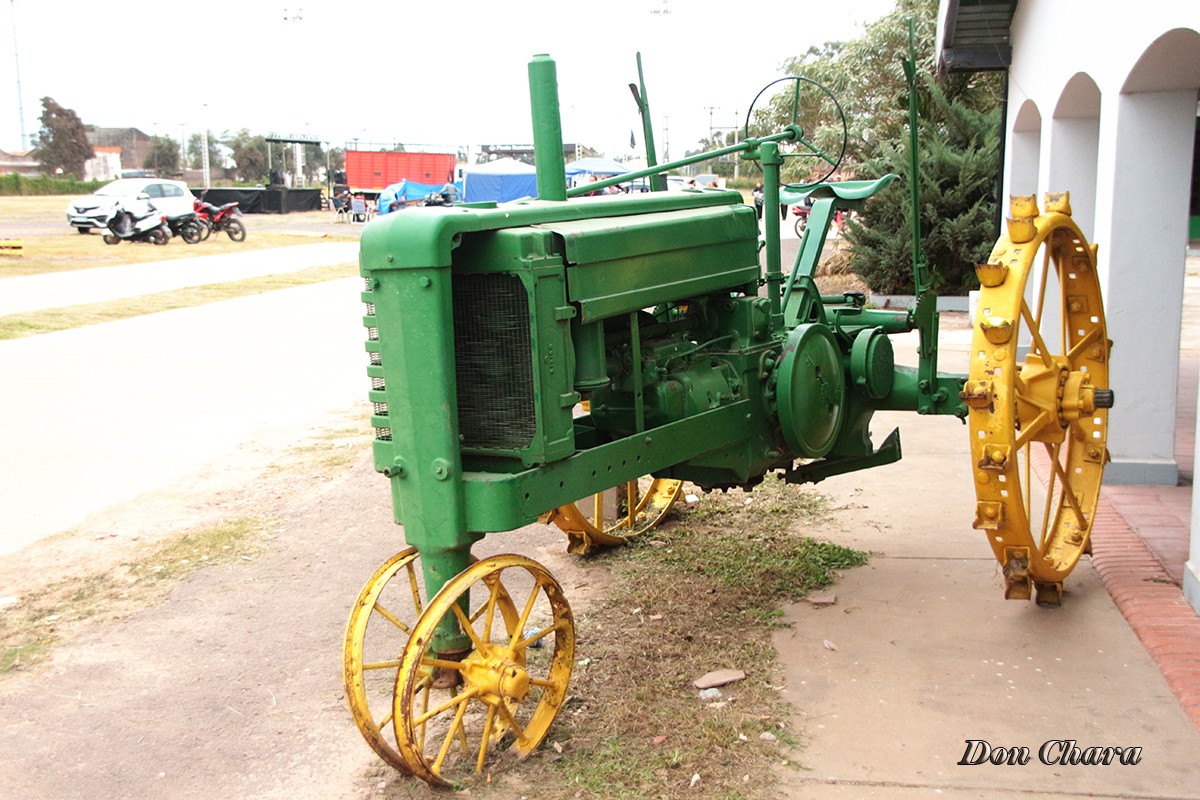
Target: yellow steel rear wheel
<point>615,516</point>
<point>464,712</point>
<point>1038,419</point>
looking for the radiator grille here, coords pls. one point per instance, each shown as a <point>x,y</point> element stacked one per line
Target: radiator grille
<point>377,384</point>
<point>493,362</point>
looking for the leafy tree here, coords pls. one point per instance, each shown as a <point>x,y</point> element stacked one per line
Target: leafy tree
<point>724,165</point>
<point>196,151</point>
<point>249,155</point>
<point>314,161</point>
<point>337,159</point>
<point>163,157</point>
<point>61,146</point>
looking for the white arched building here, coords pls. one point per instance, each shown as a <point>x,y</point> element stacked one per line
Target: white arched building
<point>1102,102</point>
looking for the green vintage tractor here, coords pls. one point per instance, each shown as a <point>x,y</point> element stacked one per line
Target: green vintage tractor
<point>669,314</point>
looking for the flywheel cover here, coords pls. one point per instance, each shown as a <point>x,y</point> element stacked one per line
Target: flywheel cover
<point>810,391</point>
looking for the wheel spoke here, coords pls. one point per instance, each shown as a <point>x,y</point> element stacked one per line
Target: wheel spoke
<point>1091,336</point>
<point>416,590</point>
<point>485,738</point>
<point>1069,494</point>
<point>390,617</point>
<point>1035,332</point>
<point>426,689</point>
<point>1028,480</point>
<point>455,725</point>
<point>1031,430</point>
<point>1041,300</point>
<point>512,721</point>
<point>393,664</point>
<point>490,607</point>
<point>520,627</point>
<point>1052,451</point>
<point>537,637</point>
<point>466,625</point>
<point>458,700</point>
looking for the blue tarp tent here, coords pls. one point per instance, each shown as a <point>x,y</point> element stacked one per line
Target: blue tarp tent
<point>501,180</point>
<point>409,192</point>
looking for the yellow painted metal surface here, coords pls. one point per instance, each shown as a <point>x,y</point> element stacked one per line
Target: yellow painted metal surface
<point>1039,354</point>
<point>455,710</point>
<point>640,505</point>
<point>370,663</point>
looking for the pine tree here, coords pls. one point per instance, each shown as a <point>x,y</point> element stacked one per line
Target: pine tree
<point>959,159</point>
<point>958,141</point>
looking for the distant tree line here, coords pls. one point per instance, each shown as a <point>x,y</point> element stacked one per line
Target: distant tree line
<point>61,147</point>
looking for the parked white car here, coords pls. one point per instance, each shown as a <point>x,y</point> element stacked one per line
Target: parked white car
<point>172,198</point>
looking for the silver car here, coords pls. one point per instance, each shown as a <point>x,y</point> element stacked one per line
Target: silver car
<point>171,198</point>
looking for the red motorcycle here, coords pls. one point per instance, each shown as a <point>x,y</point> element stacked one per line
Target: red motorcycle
<point>801,211</point>
<point>220,218</point>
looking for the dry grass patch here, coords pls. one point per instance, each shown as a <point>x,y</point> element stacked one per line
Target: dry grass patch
<point>700,593</point>
<point>16,326</point>
<point>71,251</point>
<point>34,623</point>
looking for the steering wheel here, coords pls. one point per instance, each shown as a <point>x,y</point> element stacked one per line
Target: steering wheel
<point>805,147</point>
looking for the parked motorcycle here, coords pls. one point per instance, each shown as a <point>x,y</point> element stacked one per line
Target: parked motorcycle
<point>137,221</point>
<point>187,227</point>
<point>220,218</point>
<point>447,196</point>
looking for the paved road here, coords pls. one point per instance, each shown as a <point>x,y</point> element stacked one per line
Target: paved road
<point>101,414</point>
<point>59,289</point>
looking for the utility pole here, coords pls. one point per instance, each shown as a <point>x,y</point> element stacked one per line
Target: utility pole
<point>17,61</point>
<point>204,147</point>
<point>711,109</point>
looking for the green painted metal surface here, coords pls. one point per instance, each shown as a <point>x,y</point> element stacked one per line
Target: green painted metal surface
<point>668,312</point>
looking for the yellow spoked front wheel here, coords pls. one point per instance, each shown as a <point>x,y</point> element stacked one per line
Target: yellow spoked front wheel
<point>1038,398</point>
<point>380,624</point>
<point>617,515</point>
<point>461,712</point>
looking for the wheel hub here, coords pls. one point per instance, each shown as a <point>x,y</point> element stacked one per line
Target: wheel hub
<point>497,676</point>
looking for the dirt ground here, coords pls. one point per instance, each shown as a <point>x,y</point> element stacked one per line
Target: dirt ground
<point>229,684</point>
<point>230,687</point>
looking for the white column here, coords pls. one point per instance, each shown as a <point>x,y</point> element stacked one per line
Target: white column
<point>1142,229</point>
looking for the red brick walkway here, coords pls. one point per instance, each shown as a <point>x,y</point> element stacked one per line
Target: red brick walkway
<point>1140,544</point>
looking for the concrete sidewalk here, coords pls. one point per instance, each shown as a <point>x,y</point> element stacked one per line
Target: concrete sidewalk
<point>60,289</point>
<point>922,654</point>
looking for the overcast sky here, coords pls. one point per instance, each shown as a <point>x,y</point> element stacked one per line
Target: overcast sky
<point>446,73</point>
